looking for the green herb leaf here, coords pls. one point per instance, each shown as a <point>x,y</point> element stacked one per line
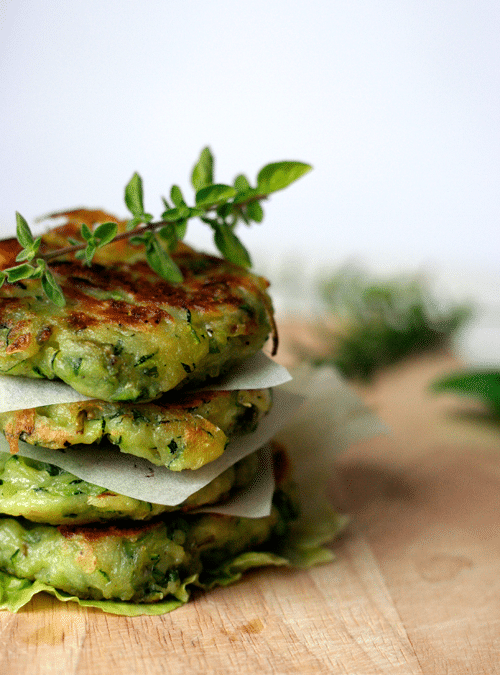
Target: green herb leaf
<point>25,254</point>
<point>24,236</point>
<point>89,253</point>
<point>184,211</point>
<point>52,289</point>
<point>241,213</point>
<point>30,251</point>
<point>15,274</point>
<point>247,196</point>
<point>3,277</point>
<point>86,232</point>
<point>202,175</point>
<point>482,384</point>
<point>169,234</point>
<point>181,229</point>
<point>230,246</point>
<point>173,232</point>
<point>105,233</point>
<point>171,215</point>
<point>225,211</point>
<point>241,183</point>
<point>213,195</point>
<point>255,211</point>
<point>38,272</point>
<point>134,196</point>
<point>279,175</point>
<point>176,196</point>
<point>160,261</point>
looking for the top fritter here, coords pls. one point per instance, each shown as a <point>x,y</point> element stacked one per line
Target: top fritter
<point>125,334</point>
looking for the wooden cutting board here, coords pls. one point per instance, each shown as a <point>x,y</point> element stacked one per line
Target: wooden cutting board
<point>415,587</point>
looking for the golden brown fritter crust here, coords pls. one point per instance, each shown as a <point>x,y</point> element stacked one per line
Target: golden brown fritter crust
<point>125,333</point>
<point>182,433</point>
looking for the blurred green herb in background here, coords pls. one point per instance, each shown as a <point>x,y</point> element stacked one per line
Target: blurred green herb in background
<point>381,322</point>
<point>483,384</point>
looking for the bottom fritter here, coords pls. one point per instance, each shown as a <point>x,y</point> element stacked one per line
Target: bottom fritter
<point>133,562</point>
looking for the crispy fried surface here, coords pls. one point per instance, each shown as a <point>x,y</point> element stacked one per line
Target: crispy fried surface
<point>125,333</point>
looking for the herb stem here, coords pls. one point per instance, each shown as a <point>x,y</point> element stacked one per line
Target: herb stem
<point>119,237</point>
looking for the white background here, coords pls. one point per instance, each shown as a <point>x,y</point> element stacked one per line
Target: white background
<point>396,104</point>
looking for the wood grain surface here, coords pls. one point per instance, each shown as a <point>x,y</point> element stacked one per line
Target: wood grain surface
<point>415,587</point>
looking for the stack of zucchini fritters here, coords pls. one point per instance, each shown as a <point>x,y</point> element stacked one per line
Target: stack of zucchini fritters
<point>138,346</point>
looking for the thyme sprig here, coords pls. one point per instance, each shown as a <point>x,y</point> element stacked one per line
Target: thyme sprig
<point>220,206</point>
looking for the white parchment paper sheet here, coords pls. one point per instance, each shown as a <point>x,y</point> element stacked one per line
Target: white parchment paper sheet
<point>19,393</point>
<point>106,466</point>
<point>331,419</point>
<point>314,430</point>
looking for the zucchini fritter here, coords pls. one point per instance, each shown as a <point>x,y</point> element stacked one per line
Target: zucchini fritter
<point>182,432</point>
<point>138,563</point>
<point>44,493</point>
<point>125,334</point>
